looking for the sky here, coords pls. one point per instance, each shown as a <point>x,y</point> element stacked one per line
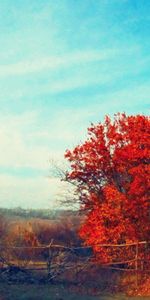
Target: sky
<point>63,65</point>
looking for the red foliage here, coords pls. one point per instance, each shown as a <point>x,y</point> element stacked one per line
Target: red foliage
<point>111,171</point>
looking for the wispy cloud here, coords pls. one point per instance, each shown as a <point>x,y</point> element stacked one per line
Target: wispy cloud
<point>25,145</point>
<point>79,70</point>
<point>55,62</point>
<point>30,192</point>
<point>19,148</point>
<point>66,60</point>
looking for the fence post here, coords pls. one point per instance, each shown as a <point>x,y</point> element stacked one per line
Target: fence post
<point>49,260</point>
<point>136,262</point>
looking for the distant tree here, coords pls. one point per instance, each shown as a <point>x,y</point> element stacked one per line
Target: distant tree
<point>111,172</point>
<point>3,228</point>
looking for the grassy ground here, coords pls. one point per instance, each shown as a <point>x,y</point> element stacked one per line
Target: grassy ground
<point>50,292</point>
<point>93,283</point>
<point>39,292</point>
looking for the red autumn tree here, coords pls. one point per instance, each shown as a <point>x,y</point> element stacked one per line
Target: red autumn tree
<point>111,172</point>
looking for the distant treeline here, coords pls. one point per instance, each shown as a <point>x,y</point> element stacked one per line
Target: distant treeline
<point>37,213</point>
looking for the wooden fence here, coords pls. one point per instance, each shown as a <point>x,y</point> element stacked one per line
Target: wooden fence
<point>55,259</point>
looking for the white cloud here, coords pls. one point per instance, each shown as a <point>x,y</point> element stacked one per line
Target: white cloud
<point>20,149</point>
<point>55,62</point>
<point>25,144</point>
<point>18,146</point>
<point>133,99</point>
<point>78,81</point>
<point>40,192</point>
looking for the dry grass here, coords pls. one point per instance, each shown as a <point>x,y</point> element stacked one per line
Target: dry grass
<point>143,289</point>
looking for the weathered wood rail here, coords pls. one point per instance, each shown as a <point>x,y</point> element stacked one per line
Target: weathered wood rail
<point>55,259</point>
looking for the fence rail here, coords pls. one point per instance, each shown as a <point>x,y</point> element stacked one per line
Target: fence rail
<point>55,258</point>
<point>78,247</point>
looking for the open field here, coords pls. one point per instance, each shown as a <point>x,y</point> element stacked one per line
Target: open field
<point>37,252</point>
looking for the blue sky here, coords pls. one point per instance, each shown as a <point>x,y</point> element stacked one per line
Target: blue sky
<point>63,65</point>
